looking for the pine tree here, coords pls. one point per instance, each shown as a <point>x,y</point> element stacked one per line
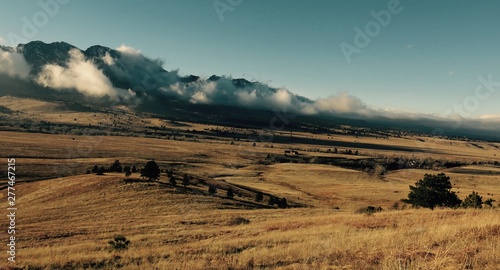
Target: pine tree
<point>432,191</point>
<point>151,170</point>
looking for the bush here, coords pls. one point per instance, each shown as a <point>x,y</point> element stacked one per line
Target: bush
<point>116,167</point>
<point>259,197</point>
<point>101,170</point>
<point>212,190</point>
<point>238,221</point>
<point>369,210</point>
<point>230,193</point>
<point>395,206</point>
<point>272,200</point>
<point>489,202</point>
<point>185,180</point>
<point>119,243</point>
<point>282,203</point>
<point>379,170</point>
<point>127,169</point>
<point>474,200</point>
<point>172,181</point>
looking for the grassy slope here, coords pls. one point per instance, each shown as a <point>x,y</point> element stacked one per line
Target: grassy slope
<point>67,222</point>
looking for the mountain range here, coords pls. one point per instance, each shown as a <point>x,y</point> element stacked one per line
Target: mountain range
<point>124,76</point>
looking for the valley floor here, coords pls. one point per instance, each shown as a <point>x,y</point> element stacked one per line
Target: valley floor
<point>66,218</point>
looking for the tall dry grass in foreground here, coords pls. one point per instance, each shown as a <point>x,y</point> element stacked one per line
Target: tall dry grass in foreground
<point>171,230</point>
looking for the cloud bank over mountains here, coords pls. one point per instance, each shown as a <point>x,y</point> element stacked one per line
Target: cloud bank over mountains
<point>126,75</point>
<point>79,74</point>
<point>13,63</point>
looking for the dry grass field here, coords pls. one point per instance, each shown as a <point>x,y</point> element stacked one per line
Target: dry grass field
<point>65,223</point>
<point>66,217</point>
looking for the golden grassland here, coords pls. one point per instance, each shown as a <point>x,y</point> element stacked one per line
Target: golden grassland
<point>66,222</point>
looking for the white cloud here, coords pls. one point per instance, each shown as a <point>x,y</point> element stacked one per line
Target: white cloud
<point>128,50</point>
<point>108,59</point>
<point>490,117</point>
<point>14,64</point>
<point>247,99</point>
<point>341,103</point>
<point>81,75</point>
<point>282,98</point>
<point>200,98</point>
<point>2,40</point>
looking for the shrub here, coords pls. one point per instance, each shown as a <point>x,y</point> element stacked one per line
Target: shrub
<point>395,206</point>
<point>172,181</point>
<point>101,170</point>
<point>119,243</point>
<point>474,200</point>
<point>369,210</point>
<point>185,180</point>
<point>212,190</point>
<point>379,170</point>
<point>272,200</point>
<point>489,202</point>
<point>259,197</point>
<point>116,167</point>
<point>282,203</point>
<point>230,193</point>
<point>126,169</point>
<point>238,221</point>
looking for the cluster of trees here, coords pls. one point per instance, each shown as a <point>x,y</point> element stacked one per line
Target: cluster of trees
<point>281,203</point>
<point>173,181</point>
<point>152,172</point>
<point>345,152</point>
<point>435,191</point>
<point>115,167</point>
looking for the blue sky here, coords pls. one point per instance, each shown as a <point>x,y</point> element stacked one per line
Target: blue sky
<point>427,59</point>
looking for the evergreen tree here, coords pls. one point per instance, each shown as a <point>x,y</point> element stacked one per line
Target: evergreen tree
<point>151,171</point>
<point>432,191</point>
<point>230,193</point>
<point>116,167</point>
<point>259,197</point>
<point>185,180</point>
<point>101,171</point>
<point>172,181</point>
<point>212,190</point>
